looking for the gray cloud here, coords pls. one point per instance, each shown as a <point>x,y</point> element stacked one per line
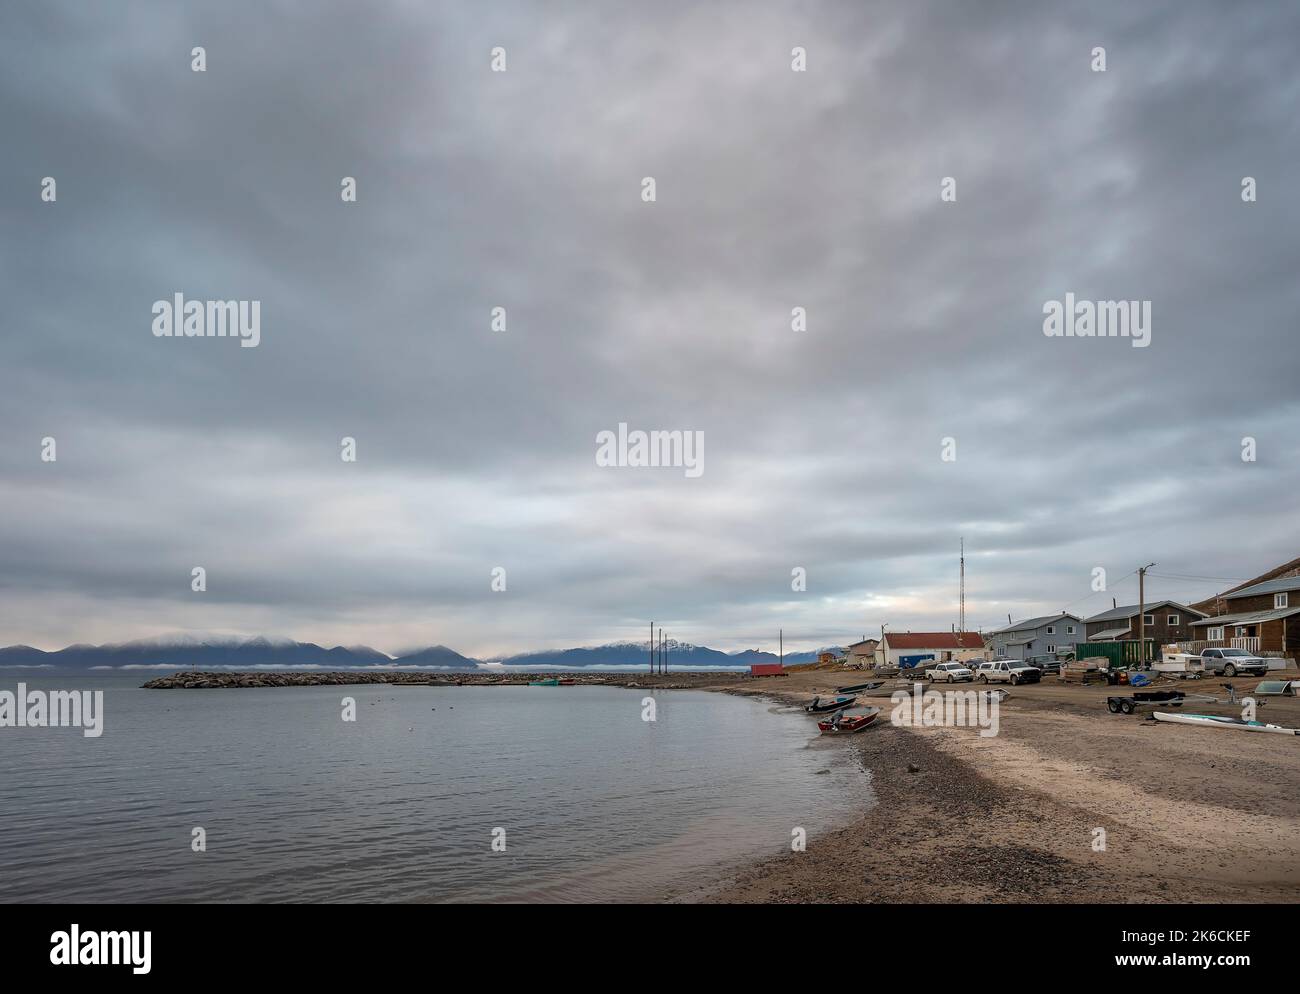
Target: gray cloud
<point>776,189</point>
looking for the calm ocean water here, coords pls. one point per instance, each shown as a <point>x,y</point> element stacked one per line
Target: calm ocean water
<point>401,805</point>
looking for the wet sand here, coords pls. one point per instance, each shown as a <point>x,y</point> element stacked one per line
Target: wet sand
<point>1190,814</point>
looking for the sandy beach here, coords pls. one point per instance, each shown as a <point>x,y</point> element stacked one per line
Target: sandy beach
<point>1190,814</point>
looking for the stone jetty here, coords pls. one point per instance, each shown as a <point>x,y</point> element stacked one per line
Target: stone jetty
<point>210,680</point>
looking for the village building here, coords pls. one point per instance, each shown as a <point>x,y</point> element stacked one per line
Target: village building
<point>907,649</point>
<point>1259,617</point>
<point>1164,622</point>
<point>863,654</point>
<point>1050,635</point>
<point>1218,604</point>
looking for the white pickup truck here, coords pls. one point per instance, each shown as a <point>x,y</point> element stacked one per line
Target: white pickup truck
<point>1230,662</point>
<point>950,672</point>
<point>1011,671</point>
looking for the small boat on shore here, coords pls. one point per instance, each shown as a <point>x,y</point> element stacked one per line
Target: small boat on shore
<point>1221,721</point>
<point>1277,688</point>
<point>860,686</point>
<point>568,683</point>
<point>553,682</point>
<point>847,724</point>
<point>818,706</point>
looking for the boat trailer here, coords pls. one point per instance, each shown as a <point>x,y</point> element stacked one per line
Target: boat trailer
<point>1144,700</point>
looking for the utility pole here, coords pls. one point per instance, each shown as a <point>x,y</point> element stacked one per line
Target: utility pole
<point>652,647</point>
<point>781,643</point>
<point>1142,613</point>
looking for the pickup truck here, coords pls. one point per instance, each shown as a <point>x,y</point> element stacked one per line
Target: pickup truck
<point>950,672</point>
<point>1011,671</point>
<point>1230,662</point>
<point>1045,664</point>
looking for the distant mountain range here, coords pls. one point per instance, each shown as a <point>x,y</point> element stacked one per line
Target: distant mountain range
<point>624,654</point>
<point>201,652</point>
<point>260,652</point>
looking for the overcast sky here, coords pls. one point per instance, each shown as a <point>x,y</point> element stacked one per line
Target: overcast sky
<point>775,189</point>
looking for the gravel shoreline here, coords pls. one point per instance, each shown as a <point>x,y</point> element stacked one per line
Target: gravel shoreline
<point>1189,814</point>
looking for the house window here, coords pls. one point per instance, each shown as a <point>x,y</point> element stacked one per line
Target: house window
<point>1148,619</point>
<point>1173,621</point>
<point>1051,630</point>
<point>1215,635</point>
<point>1279,600</point>
<point>1241,632</point>
<point>1069,629</point>
<point>1051,648</point>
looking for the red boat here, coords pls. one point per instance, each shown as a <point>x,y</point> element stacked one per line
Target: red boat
<point>568,683</point>
<point>846,724</point>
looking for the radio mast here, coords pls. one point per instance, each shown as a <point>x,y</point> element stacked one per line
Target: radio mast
<point>961,596</point>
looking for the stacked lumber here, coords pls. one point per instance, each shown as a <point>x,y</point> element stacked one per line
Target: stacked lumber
<point>1082,670</point>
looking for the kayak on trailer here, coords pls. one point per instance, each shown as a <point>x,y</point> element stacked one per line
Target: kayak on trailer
<point>846,724</point>
<point>860,686</point>
<point>1220,721</point>
<point>818,706</point>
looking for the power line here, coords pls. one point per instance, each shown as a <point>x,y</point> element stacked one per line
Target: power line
<point>1096,592</point>
<point>1189,577</point>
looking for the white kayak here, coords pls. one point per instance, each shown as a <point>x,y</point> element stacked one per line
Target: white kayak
<point>1220,721</point>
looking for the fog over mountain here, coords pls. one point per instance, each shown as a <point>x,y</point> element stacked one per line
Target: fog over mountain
<point>184,650</point>
<point>198,651</point>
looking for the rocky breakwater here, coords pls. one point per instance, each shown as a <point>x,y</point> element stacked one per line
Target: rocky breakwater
<point>209,680</point>
<point>203,680</point>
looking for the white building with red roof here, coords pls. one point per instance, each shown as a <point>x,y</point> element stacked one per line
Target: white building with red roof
<point>905,650</point>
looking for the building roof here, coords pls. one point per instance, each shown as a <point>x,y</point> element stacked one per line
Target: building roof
<point>865,642</point>
<point>934,640</point>
<point>1285,571</point>
<point>1132,611</point>
<point>1267,587</point>
<point>1110,634</point>
<point>1249,618</point>
<point>1031,623</point>
<point>1023,641</point>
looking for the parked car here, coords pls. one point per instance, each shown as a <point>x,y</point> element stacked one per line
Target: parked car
<point>949,672</point>
<point>1046,664</point>
<point>1011,671</point>
<point>1230,662</point>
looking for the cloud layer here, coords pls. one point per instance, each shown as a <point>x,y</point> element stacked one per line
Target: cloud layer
<point>521,189</point>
